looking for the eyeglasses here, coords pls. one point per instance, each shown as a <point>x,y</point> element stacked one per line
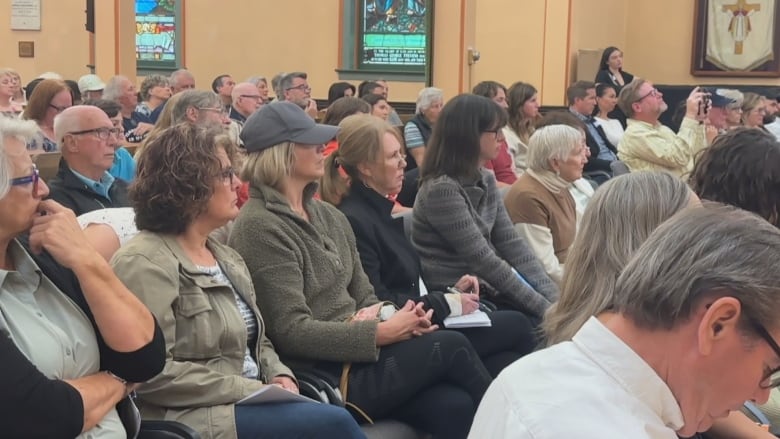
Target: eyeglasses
<point>258,97</point>
<point>771,377</point>
<point>59,109</point>
<point>302,87</point>
<point>33,178</point>
<point>227,174</point>
<point>401,158</point>
<point>498,133</point>
<point>654,93</point>
<point>102,133</point>
<point>220,110</point>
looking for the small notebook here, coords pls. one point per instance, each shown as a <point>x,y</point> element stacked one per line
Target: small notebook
<point>272,394</point>
<point>477,319</point>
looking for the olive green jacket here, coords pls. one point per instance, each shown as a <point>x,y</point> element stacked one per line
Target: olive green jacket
<point>205,335</point>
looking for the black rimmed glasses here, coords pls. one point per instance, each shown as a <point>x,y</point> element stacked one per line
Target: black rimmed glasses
<point>301,87</point>
<point>33,178</point>
<point>771,377</point>
<point>101,133</point>
<point>257,97</point>
<point>227,174</point>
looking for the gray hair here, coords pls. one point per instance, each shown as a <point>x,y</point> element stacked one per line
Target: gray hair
<point>736,95</point>
<point>26,131</point>
<point>427,97</point>
<point>114,87</point>
<point>174,77</point>
<point>256,80</point>
<point>151,82</point>
<point>275,85</point>
<point>702,254</point>
<point>287,81</point>
<point>620,217</point>
<point>552,142</point>
<point>196,99</point>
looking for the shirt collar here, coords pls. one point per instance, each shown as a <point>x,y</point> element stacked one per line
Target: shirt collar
<point>101,187</point>
<point>24,263</point>
<point>629,370</point>
<point>581,116</point>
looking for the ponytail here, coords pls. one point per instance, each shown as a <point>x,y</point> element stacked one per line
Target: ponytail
<point>334,184</point>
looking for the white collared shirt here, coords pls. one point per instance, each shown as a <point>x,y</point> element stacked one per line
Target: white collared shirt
<point>592,387</point>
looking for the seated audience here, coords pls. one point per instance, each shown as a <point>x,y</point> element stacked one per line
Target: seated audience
<point>186,188</point>
<point>122,90</point>
<point>223,85</point>
<point>50,98</point>
<point>180,80</point>
<point>394,118</point>
<point>75,94</point>
<point>617,221</point>
<point>740,169</point>
<point>246,100</point>
<point>88,139</point>
<point>771,119</point>
<point>379,107</point>
<point>370,153</point>
<point>649,145</point>
<point>319,305</point>
<point>8,86</point>
<point>417,132</point>
<point>19,92</point>
<point>460,224</point>
<point>582,189</point>
<point>611,69</point>
<point>91,87</point>
<point>124,164</point>
<point>165,120</point>
<point>262,86</point>
<point>198,107</point>
<point>606,102</point>
<point>294,87</point>
<point>340,90</point>
<point>366,88</point>
<point>734,113</point>
<point>582,102</point>
<point>155,90</point>
<point>503,165</point>
<point>718,112</point>
<point>74,341</point>
<point>338,111</point>
<point>523,110</point>
<point>539,203</point>
<point>682,344</point>
<point>753,110</point>
<point>623,214</point>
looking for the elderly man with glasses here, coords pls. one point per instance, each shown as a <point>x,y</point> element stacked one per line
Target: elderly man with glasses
<point>87,139</point>
<point>690,336</point>
<point>647,145</point>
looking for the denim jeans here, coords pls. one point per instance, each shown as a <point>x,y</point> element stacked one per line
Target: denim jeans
<point>295,420</point>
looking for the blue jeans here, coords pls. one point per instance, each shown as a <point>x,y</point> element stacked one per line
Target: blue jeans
<point>295,420</point>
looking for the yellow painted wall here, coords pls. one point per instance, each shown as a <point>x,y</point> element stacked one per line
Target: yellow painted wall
<point>60,46</point>
<point>596,24</point>
<point>659,44</point>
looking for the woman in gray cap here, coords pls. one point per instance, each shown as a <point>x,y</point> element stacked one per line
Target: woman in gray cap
<point>319,306</point>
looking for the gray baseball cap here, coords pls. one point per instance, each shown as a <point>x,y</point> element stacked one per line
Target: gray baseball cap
<point>283,121</point>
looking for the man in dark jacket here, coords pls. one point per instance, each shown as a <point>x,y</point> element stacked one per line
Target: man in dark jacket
<point>582,100</point>
<point>86,139</point>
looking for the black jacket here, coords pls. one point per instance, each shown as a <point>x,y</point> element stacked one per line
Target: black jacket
<point>67,189</point>
<point>33,405</point>
<point>595,163</point>
<point>388,258</point>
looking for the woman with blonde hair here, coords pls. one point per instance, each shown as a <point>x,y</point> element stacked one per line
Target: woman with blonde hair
<point>753,110</point>
<point>618,219</point>
<point>523,101</point>
<point>9,85</point>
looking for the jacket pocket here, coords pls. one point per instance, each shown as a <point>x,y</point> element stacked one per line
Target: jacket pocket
<point>197,326</point>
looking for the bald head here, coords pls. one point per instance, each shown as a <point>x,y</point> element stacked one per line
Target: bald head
<point>246,98</point>
<point>79,118</point>
<point>82,146</point>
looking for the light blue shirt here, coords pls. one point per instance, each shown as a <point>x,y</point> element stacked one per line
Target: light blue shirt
<point>124,165</point>
<point>100,187</point>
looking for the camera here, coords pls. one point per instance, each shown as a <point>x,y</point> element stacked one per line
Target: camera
<point>704,103</point>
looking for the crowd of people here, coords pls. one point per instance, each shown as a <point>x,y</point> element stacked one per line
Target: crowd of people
<point>624,269</point>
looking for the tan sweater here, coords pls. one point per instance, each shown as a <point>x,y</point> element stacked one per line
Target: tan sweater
<point>529,203</point>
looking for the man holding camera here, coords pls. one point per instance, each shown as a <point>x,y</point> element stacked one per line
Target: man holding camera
<point>647,145</point>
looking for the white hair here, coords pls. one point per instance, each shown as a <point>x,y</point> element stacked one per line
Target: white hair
<point>427,97</point>
<point>114,88</point>
<point>552,142</point>
<point>26,131</point>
